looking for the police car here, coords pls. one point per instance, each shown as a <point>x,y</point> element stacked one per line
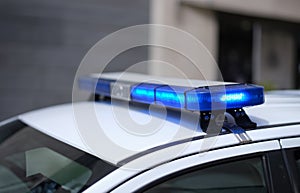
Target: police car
<point>156,135</point>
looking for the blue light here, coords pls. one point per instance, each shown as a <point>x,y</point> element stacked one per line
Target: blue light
<point>233,97</point>
<point>144,92</point>
<point>103,87</point>
<point>236,96</point>
<point>171,96</point>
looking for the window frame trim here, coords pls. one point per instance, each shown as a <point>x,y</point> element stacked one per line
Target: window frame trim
<point>197,160</point>
<point>289,147</point>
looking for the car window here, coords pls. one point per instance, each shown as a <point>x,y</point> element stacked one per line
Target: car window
<point>297,159</point>
<point>239,176</point>
<point>31,161</point>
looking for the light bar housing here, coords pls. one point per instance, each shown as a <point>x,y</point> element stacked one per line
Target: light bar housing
<point>207,98</point>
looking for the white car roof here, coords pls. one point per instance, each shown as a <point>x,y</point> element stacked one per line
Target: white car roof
<point>85,124</point>
<point>59,122</point>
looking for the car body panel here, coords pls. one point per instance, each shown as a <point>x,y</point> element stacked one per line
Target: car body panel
<point>163,149</point>
<point>290,142</point>
<point>59,122</point>
<point>161,155</point>
<point>180,164</point>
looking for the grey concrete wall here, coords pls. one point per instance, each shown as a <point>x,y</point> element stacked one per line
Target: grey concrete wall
<point>201,23</point>
<point>43,41</point>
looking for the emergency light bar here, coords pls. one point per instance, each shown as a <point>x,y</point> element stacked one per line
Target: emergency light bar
<point>232,96</point>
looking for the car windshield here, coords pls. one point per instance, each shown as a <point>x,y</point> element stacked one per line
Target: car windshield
<point>31,161</point>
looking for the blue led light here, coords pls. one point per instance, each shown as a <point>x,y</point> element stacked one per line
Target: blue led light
<point>144,92</point>
<point>171,96</point>
<point>235,96</point>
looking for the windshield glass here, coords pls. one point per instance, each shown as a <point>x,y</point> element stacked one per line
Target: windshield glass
<point>31,161</point>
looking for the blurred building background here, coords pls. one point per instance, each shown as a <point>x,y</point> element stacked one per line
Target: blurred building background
<point>253,41</point>
<point>43,41</point>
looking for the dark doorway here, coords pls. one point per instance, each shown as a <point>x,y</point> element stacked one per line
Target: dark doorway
<point>235,47</point>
